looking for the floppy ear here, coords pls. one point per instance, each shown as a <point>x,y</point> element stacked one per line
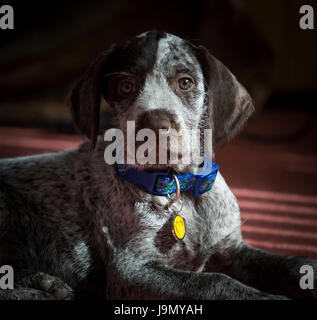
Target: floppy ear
<point>86,97</point>
<point>229,104</point>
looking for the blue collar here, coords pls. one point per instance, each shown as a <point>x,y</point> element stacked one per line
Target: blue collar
<point>162,183</point>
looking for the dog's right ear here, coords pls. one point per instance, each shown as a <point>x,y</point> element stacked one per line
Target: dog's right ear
<point>86,97</point>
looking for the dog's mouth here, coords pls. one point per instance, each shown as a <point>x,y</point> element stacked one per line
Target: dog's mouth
<point>153,155</point>
<point>172,161</point>
<point>174,151</point>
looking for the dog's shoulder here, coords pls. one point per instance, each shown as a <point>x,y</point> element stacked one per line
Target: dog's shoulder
<point>46,179</point>
<point>35,166</point>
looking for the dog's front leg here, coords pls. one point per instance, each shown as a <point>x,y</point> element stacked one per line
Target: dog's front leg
<point>167,282</point>
<point>268,272</point>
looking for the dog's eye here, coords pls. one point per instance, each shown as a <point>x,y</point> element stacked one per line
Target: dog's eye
<point>126,87</point>
<point>185,83</point>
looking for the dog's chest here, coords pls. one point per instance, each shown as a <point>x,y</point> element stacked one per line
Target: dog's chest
<point>203,228</point>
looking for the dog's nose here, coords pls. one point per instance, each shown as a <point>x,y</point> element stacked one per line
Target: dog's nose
<point>155,120</point>
<point>163,124</point>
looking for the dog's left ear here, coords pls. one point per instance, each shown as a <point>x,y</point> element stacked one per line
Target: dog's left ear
<point>228,102</point>
<point>86,97</point>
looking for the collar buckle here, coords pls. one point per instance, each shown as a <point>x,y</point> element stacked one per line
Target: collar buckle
<point>205,183</point>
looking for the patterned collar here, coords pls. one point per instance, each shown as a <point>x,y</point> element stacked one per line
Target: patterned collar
<point>162,183</point>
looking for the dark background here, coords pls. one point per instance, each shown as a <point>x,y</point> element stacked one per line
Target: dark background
<point>52,43</point>
<point>271,166</point>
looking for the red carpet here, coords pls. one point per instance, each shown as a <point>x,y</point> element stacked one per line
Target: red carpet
<point>279,222</point>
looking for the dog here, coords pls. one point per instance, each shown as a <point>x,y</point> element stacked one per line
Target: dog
<point>73,226</point>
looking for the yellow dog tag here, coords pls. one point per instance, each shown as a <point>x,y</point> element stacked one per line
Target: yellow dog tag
<point>179,227</point>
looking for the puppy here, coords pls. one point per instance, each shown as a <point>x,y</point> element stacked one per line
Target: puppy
<point>103,229</point>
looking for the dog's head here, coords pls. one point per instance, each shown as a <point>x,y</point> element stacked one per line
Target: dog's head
<point>162,83</point>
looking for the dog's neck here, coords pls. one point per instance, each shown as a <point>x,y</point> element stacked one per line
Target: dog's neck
<point>164,182</point>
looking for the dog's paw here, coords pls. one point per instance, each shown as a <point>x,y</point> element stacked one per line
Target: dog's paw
<point>47,287</point>
<point>254,294</point>
<point>274,297</point>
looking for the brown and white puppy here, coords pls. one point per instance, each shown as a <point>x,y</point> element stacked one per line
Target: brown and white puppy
<point>71,216</point>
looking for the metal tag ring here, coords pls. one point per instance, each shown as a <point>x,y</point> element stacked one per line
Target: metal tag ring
<point>178,188</point>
